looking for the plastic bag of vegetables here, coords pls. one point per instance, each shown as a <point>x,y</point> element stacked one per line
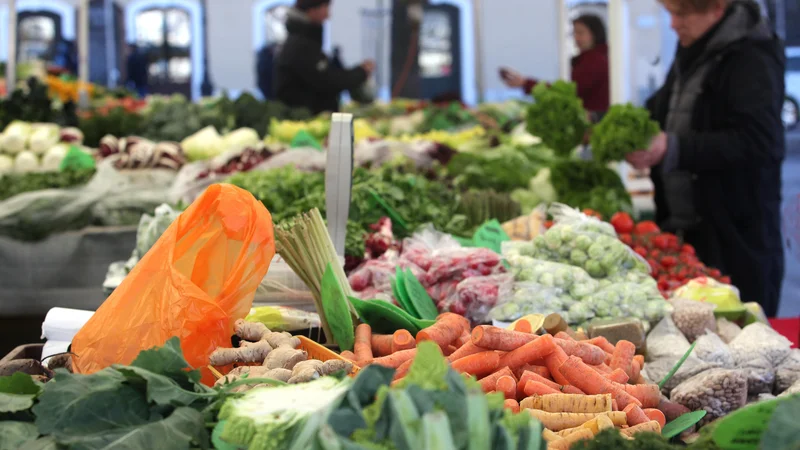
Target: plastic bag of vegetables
<point>572,280</point>
<point>641,301</point>
<point>531,298</point>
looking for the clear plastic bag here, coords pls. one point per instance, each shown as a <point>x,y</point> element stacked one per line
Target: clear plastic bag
<point>530,298</point>
<point>572,280</point>
<point>788,372</point>
<point>757,340</point>
<point>567,215</point>
<point>793,389</point>
<point>305,159</point>
<point>727,330</point>
<point>712,349</point>
<point>760,376</point>
<point>641,301</point>
<point>658,369</point>
<point>709,290</point>
<point>693,318</point>
<point>717,391</point>
<point>666,340</point>
<point>476,296</point>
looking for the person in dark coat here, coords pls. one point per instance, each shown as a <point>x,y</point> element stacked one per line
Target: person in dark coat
<point>265,70</point>
<point>304,76</point>
<point>137,69</point>
<point>589,69</point>
<point>717,165</point>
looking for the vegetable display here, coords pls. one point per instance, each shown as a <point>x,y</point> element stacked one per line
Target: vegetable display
<point>623,129</point>
<point>557,116</point>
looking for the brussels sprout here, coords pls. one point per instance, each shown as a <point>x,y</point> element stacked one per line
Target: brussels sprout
<point>596,251</point>
<point>583,242</point>
<point>547,280</point>
<point>578,257</point>
<point>595,269</point>
<point>552,239</point>
<point>579,312</point>
<point>567,233</point>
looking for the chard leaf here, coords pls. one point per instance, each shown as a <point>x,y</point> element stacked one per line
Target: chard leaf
<point>44,443</point>
<point>17,392</point>
<point>16,434</point>
<point>180,429</point>
<point>163,390</point>
<point>168,360</point>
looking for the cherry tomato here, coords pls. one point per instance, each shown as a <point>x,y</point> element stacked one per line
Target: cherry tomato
<point>687,249</point>
<point>725,280</point>
<point>714,273</point>
<point>646,227</point>
<point>669,261</point>
<point>661,242</point>
<point>548,224</point>
<point>626,239</point>
<point>592,213</point>
<point>622,222</point>
<point>641,251</point>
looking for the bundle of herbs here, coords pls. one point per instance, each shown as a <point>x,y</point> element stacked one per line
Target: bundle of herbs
<point>557,116</point>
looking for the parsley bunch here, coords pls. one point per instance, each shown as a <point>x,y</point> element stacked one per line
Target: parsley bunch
<point>557,116</point>
<point>624,129</point>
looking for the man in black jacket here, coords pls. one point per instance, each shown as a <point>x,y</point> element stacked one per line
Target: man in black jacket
<point>717,165</point>
<point>304,76</point>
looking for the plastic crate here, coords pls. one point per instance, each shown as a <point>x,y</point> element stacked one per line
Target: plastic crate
<point>322,353</point>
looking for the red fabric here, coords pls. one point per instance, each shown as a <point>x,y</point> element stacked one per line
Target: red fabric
<point>590,73</point>
<point>790,328</point>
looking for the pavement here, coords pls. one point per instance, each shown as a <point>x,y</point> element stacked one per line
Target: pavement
<point>790,296</point>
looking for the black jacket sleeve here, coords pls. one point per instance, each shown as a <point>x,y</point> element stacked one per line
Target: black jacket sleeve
<point>752,123</point>
<point>320,73</point>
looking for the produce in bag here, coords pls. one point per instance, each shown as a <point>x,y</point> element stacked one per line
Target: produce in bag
<point>717,391</point>
<point>282,318</point>
<point>693,318</point>
<point>566,215</point>
<point>711,348</point>
<point>641,301</point>
<point>709,290</point>
<point>530,298</point>
<point>572,280</point>
<point>476,296</point>
<point>666,340</point>
<point>727,330</point>
<point>757,340</point>
<point>657,369</point>
<point>760,376</point>
<point>184,275</point>
<point>788,372</point>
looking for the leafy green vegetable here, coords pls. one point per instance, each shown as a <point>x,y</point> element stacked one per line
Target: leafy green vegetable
<point>18,183</point>
<point>782,431</point>
<point>14,435</point>
<point>501,169</point>
<point>557,116</point>
<point>624,129</point>
<point>588,184</point>
<point>611,439</point>
<point>337,310</point>
<point>17,392</point>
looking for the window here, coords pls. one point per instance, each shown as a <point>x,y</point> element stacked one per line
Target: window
<point>37,37</point>
<point>164,35</point>
<point>435,41</point>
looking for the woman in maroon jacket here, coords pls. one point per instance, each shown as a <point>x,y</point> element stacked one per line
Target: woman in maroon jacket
<point>589,68</point>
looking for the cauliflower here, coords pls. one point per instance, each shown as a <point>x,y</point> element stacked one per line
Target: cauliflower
<point>15,137</point>
<point>43,136</point>
<point>53,157</point>
<point>273,418</point>
<point>26,161</point>
<point>240,139</point>
<point>6,164</point>
<point>205,144</point>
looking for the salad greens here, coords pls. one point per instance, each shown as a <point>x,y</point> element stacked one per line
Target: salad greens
<point>624,129</point>
<point>557,116</point>
<point>14,184</point>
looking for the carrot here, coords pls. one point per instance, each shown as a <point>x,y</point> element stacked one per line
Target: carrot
<point>508,386</point>
<point>569,403</point>
<point>636,370</point>
<point>463,339</point>
<point>618,376</point>
<point>449,350</point>
<point>623,356</point>
<point>456,318</point>
<point>581,376</point>
<point>447,328</point>
<point>536,388</point>
<point>570,389</point>
<point>535,368</point>
<point>563,335</point>
<point>363,344</point>
<point>533,376</point>
<point>467,349</point>
<point>614,405</point>
<point>529,352</point>
<point>523,326</point>
<point>382,344</point>
<point>658,416</point>
<point>495,338</point>
<point>553,361</point>
<point>571,439</point>
<point>479,364</point>
<point>589,353</point>
<point>402,340</point>
<point>558,421</point>
<point>348,355</point>
<point>635,415</point>
<point>489,383</point>
<point>649,395</point>
<point>511,404</point>
<point>602,369</point>
<point>672,410</point>
<point>402,370</point>
<point>550,436</point>
<point>395,360</point>
<point>603,343</point>
<point>639,380</point>
<point>639,359</point>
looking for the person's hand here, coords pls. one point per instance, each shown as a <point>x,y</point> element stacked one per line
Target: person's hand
<point>368,66</point>
<point>512,78</point>
<point>645,159</point>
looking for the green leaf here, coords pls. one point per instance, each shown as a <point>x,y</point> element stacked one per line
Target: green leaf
<point>403,296</point>
<point>625,128</point>
<point>167,360</point>
<point>386,318</point>
<point>418,297</point>
<point>428,370</point>
<point>397,219</point>
<point>45,443</point>
<point>782,433</point>
<point>84,404</point>
<point>436,432</point>
<point>180,429</point>
<point>678,365</point>
<point>15,434</point>
<point>162,390</point>
<point>216,438</point>
<point>17,392</point>
<point>683,423</point>
<point>336,310</point>
<point>744,429</point>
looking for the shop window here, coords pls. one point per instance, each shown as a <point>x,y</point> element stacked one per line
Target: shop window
<point>436,45</point>
<point>38,32</point>
<point>165,35</point>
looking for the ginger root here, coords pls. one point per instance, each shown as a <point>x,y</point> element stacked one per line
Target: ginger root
<point>285,357</point>
<point>250,331</point>
<point>248,352</point>
<point>257,343</point>
<point>312,369</point>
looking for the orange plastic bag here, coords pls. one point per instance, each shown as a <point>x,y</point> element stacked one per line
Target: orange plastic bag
<point>196,281</point>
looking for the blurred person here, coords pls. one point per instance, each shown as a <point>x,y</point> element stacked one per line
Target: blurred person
<point>265,70</point>
<point>137,66</point>
<point>716,166</point>
<point>304,76</point>
<point>589,69</point>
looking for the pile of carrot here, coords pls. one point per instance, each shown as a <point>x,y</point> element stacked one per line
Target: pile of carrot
<point>575,387</point>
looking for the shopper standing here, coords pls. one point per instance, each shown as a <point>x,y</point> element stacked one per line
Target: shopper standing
<point>717,166</point>
<point>589,69</point>
<point>304,76</point>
